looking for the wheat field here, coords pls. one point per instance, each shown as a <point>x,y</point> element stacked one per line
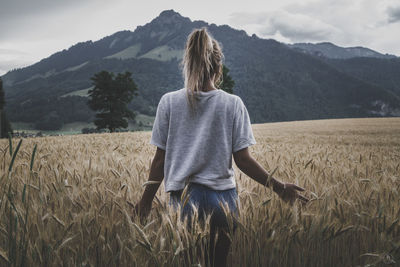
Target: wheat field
<point>67,201</point>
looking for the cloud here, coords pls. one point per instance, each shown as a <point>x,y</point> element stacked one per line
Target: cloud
<point>295,27</point>
<point>6,66</point>
<point>18,16</point>
<point>13,52</point>
<point>393,14</point>
<point>13,9</point>
<point>29,17</point>
<point>12,58</point>
<point>367,23</point>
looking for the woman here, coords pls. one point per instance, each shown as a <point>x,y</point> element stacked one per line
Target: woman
<point>196,131</point>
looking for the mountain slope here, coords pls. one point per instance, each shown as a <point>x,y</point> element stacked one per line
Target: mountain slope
<point>378,71</point>
<point>276,82</point>
<point>330,50</point>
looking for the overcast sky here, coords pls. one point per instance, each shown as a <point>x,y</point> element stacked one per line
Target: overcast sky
<point>34,29</point>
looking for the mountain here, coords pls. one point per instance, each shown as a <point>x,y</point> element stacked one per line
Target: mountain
<point>276,82</point>
<point>378,71</point>
<point>368,65</point>
<point>330,50</point>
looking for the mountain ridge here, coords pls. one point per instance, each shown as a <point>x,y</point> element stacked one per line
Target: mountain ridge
<point>330,50</point>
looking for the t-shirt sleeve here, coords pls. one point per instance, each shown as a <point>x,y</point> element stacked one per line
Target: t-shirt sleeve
<point>159,133</point>
<point>242,135</point>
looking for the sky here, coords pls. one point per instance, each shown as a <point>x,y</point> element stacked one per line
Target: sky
<point>31,30</point>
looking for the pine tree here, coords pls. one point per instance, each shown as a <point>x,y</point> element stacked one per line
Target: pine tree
<point>110,97</point>
<point>227,82</point>
<point>5,126</point>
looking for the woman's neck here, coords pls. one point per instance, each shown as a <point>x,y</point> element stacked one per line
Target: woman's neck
<point>210,86</point>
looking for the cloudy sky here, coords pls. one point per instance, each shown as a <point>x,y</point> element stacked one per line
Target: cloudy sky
<point>34,29</point>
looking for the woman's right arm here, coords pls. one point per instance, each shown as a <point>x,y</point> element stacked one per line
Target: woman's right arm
<point>247,164</point>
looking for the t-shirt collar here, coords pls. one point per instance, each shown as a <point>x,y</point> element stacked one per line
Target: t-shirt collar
<point>208,93</point>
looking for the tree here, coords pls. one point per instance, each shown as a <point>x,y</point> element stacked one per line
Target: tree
<point>227,82</point>
<point>5,126</point>
<point>110,97</point>
<point>49,122</point>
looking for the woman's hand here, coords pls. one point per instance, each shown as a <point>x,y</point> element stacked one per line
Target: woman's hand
<point>141,210</point>
<point>143,207</point>
<point>290,192</point>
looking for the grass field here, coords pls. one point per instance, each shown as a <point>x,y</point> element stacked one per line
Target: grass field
<point>71,204</point>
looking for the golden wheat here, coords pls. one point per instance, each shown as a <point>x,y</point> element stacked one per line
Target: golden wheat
<point>71,204</point>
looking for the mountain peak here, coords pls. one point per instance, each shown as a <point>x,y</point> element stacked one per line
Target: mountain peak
<point>169,13</point>
<point>170,17</point>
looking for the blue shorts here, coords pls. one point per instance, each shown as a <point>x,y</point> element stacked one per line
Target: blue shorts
<point>207,201</point>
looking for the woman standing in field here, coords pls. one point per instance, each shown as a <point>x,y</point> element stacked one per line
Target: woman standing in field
<point>196,131</point>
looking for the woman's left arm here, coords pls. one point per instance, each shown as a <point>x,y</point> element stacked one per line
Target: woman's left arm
<point>155,178</point>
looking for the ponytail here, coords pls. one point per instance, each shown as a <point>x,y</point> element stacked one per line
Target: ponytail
<point>202,62</point>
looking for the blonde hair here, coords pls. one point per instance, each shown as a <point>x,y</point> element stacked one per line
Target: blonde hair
<point>202,62</point>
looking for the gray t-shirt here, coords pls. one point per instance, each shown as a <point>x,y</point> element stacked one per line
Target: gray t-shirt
<point>199,148</point>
